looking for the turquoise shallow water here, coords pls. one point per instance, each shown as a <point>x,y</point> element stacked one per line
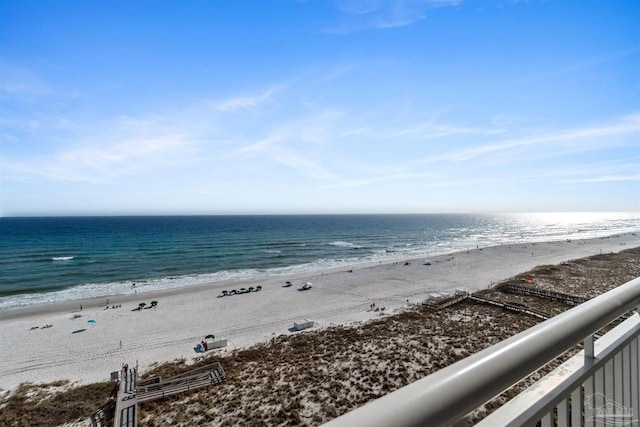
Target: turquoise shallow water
<point>63,258</point>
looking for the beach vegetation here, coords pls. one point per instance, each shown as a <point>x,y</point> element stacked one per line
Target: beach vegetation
<point>54,403</point>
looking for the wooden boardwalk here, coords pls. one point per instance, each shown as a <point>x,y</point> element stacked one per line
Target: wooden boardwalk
<point>197,378</point>
<point>518,308</point>
<point>479,297</point>
<point>131,391</point>
<point>446,302</point>
<point>126,414</point>
<point>542,293</point>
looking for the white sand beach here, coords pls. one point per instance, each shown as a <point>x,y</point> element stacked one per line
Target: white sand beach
<point>83,351</point>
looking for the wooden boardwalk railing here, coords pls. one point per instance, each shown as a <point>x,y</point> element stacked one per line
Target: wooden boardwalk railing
<point>131,391</point>
<point>99,417</point>
<point>519,308</point>
<point>211,374</point>
<point>478,298</point>
<point>542,293</point>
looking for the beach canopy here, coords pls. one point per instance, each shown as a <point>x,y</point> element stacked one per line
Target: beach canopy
<point>91,321</point>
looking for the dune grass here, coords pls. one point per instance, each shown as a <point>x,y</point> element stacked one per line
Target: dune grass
<point>52,404</point>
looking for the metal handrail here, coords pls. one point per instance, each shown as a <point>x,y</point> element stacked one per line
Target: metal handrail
<point>448,395</point>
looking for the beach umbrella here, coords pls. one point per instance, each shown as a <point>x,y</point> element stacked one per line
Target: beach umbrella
<point>211,336</point>
<point>142,304</point>
<point>154,303</point>
<point>91,321</point>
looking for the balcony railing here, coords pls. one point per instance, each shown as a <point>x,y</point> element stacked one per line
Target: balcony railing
<point>599,386</point>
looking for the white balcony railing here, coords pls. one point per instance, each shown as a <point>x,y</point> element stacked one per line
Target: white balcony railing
<point>599,386</point>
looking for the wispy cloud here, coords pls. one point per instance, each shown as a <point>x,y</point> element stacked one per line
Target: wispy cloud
<point>357,15</point>
<point>20,83</point>
<point>579,66</point>
<point>124,145</point>
<point>110,148</point>
<point>325,146</point>
<point>435,131</point>
<point>374,179</point>
<point>618,170</point>
<point>623,131</point>
<point>605,178</point>
<point>290,158</point>
<point>248,102</point>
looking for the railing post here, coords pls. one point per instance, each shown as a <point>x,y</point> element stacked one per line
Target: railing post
<point>588,347</point>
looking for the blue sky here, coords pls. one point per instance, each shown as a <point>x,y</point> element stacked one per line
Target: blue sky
<point>245,107</point>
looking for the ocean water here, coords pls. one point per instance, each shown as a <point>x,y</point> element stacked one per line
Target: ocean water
<point>44,260</point>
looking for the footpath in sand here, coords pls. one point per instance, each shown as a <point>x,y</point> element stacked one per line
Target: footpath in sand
<point>83,351</point>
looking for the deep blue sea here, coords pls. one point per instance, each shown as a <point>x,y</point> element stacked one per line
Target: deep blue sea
<point>65,258</point>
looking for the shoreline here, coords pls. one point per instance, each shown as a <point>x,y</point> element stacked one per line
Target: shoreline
<point>90,288</point>
<point>73,306</point>
<point>185,315</point>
